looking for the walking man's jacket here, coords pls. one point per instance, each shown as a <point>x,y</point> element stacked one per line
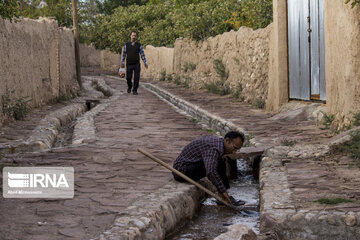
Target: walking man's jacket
<point>131,53</point>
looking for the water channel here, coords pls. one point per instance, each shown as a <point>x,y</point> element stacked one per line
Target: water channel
<point>213,220</point>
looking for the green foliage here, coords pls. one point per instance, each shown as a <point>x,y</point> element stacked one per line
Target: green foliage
<point>356,117</point>
<point>259,103</point>
<point>159,24</point>
<point>236,60</point>
<point>209,130</point>
<point>238,92</point>
<point>177,80</point>
<point>18,109</point>
<point>352,147</point>
<point>9,9</point>
<point>333,201</point>
<point>220,69</point>
<point>194,120</point>
<point>162,75</point>
<point>327,120</point>
<point>189,66</point>
<point>256,13</point>
<point>219,87</point>
<point>60,9</point>
<point>169,77</point>
<point>62,98</point>
<point>288,142</point>
<point>353,3</point>
<point>107,7</point>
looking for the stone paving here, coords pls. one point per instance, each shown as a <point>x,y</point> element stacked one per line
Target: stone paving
<point>109,173</point>
<point>293,177</point>
<point>260,124</point>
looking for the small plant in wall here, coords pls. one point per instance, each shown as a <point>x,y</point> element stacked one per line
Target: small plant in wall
<point>17,108</point>
<point>236,60</point>
<point>177,80</point>
<point>169,77</point>
<point>259,103</point>
<point>327,120</point>
<point>162,75</point>
<point>237,93</point>
<point>220,69</point>
<point>189,66</point>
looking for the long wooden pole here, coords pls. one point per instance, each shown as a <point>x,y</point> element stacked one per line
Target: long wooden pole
<point>236,208</point>
<point>184,176</point>
<point>76,39</point>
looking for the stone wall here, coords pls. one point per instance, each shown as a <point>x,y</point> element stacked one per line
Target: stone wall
<point>37,61</point>
<point>245,54</point>
<point>342,53</point>
<point>89,56</point>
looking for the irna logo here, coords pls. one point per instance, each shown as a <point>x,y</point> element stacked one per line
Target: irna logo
<point>19,180</point>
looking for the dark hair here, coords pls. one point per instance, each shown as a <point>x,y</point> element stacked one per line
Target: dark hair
<point>133,32</point>
<point>234,134</point>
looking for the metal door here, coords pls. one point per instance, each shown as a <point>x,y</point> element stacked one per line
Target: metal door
<point>306,49</point>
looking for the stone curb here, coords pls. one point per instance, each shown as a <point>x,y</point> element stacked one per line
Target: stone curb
<point>84,130</point>
<point>276,204</point>
<point>279,215</point>
<point>156,214</point>
<point>277,207</point>
<point>44,135</point>
<point>212,120</point>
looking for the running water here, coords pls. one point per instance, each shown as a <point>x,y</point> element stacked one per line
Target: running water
<point>212,220</point>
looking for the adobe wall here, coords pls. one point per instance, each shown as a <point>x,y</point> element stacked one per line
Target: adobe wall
<point>342,64</point>
<point>89,56</point>
<point>245,54</point>
<point>109,61</point>
<point>31,51</point>
<point>159,59</point>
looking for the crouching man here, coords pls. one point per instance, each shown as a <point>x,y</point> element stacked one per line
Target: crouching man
<point>204,157</point>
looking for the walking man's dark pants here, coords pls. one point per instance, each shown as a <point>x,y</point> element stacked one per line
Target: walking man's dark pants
<point>129,73</point>
<point>196,171</point>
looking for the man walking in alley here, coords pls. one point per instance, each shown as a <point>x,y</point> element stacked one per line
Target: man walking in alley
<point>204,156</point>
<point>131,52</point>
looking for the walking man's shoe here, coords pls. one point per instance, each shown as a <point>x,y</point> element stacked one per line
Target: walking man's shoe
<point>135,93</point>
<point>129,90</point>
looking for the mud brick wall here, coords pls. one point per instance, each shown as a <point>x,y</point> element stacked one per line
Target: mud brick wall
<point>159,59</point>
<point>37,61</point>
<point>89,56</point>
<point>245,54</point>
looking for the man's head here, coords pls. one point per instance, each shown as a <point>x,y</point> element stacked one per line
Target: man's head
<point>233,141</point>
<point>133,36</point>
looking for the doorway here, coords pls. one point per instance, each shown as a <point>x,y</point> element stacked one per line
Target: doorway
<point>306,44</point>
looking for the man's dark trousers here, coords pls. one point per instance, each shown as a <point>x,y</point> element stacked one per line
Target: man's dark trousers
<point>196,171</point>
<point>129,73</point>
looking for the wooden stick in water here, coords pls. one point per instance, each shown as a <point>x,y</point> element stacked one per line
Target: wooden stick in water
<point>184,177</point>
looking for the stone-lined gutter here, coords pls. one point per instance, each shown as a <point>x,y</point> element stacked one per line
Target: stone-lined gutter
<point>157,214</point>
<point>84,130</point>
<point>211,120</point>
<point>45,133</point>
